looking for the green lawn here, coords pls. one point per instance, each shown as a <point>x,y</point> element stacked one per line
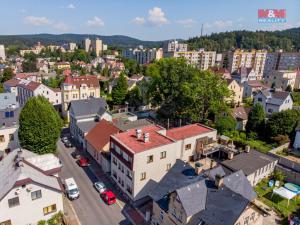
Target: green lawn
<point>276,202</point>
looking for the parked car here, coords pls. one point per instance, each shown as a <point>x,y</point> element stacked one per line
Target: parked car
<point>108,197</point>
<point>64,139</point>
<point>68,144</point>
<point>100,186</point>
<point>75,155</point>
<point>83,162</point>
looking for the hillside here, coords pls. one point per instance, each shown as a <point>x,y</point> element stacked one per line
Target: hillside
<point>288,40</point>
<point>119,41</point>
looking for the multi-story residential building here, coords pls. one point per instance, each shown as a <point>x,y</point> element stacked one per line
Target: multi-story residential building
<point>2,53</point>
<point>281,79</point>
<point>271,63</point>
<point>27,89</point>
<point>244,74</point>
<point>143,56</point>
<point>174,46</point>
<point>29,187</point>
<point>274,101</point>
<point>250,59</point>
<point>217,198</point>
<point>9,120</point>
<point>36,49</point>
<point>76,88</point>
<point>87,44</point>
<point>98,46</point>
<point>252,87</point>
<point>72,46</point>
<point>201,59</point>
<point>141,157</point>
<point>84,115</point>
<point>237,92</point>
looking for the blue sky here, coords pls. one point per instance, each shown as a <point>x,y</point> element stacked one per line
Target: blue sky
<point>143,19</point>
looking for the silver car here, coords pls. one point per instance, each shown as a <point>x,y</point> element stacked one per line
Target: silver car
<point>100,186</point>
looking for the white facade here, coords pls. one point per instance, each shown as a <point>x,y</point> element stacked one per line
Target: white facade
<point>297,140</point>
<point>175,46</point>
<point>2,53</point>
<point>87,44</point>
<point>282,79</point>
<point>9,137</point>
<point>30,211</point>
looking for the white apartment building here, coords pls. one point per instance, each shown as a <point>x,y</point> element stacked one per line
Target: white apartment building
<point>30,190</point>
<point>201,59</point>
<point>98,47</point>
<point>2,53</point>
<point>87,44</point>
<point>143,56</point>
<point>282,79</point>
<point>141,157</point>
<point>174,46</point>
<point>72,46</point>
<point>27,89</point>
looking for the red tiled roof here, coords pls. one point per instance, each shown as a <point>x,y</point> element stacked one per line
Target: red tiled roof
<point>240,113</point>
<point>255,83</point>
<point>24,75</point>
<point>99,135</point>
<point>12,82</point>
<point>156,139</point>
<point>30,86</point>
<point>90,80</point>
<point>187,131</point>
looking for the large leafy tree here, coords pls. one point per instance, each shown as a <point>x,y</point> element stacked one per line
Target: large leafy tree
<point>134,97</point>
<point>7,74</point>
<point>256,119</point>
<point>119,91</point>
<point>182,91</point>
<point>225,123</point>
<point>40,126</point>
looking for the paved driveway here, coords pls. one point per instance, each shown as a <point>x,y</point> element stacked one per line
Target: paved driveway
<point>90,208</point>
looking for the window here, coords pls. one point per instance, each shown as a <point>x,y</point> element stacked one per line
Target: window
<point>163,155</point>
<point>150,159</point>
<point>168,166</point>
<point>188,147</point>
<point>125,156</point>
<point>2,138</point>
<point>36,194</point>
<point>13,202</point>
<point>259,99</point>
<point>122,168</point>
<point>161,215</point>
<point>246,221</point>
<point>270,110</point>
<point>11,137</point>
<point>252,216</point>
<point>114,174</point>
<point>143,176</point>
<point>129,174</point>
<point>114,160</point>
<point>112,145</point>
<point>49,209</point>
<point>128,189</point>
<point>118,150</point>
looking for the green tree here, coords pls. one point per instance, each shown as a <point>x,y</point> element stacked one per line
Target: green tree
<point>256,119</point>
<point>40,126</point>
<point>7,74</point>
<point>119,91</point>
<point>289,88</point>
<point>278,175</point>
<point>29,66</point>
<point>134,97</point>
<point>283,123</point>
<point>225,124</point>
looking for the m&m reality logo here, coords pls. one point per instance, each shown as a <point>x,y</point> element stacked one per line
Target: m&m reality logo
<point>271,15</point>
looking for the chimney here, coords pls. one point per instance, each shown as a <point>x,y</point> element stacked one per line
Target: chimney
<point>146,137</point>
<point>247,149</point>
<point>138,133</point>
<point>230,155</point>
<point>218,180</point>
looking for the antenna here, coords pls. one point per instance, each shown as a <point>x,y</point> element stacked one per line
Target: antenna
<point>201,30</point>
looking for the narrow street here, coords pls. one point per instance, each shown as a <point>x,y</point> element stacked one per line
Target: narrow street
<point>90,208</point>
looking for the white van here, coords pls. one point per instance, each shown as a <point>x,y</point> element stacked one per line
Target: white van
<point>72,189</point>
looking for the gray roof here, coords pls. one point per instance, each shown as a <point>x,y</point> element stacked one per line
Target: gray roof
<point>8,100</point>
<point>124,125</point>
<point>88,107</point>
<point>10,173</point>
<point>248,162</point>
<point>193,197</point>
<point>86,126</point>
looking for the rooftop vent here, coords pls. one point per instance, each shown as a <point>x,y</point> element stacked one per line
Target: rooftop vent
<point>146,137</point>
<point>138,133</point>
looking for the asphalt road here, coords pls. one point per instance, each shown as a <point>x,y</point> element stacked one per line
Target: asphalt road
<point>90,208</point>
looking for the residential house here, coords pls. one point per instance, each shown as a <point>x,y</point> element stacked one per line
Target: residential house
<point>131,82</point>
<point>281,79</point>
<point>77,88</point>
<point>240,114</point>
<point>27,89</point>
<point>255,165</point>
<point>84,115</point>
<point>223,72</point>
<point>212,198</point>
<point>10,86</point>
<point>252,87</point>
<point>9,120</point>
<point>244,74</point>
<point>274,101</point>
<point>29,187</point>
<point>237,92</point>
<point>141,157</point>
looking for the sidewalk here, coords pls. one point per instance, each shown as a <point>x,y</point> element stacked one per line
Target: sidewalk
<point>70,215</point>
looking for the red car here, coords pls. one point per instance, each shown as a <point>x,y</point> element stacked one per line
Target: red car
<point>108,197</point>
<point>83,162</point>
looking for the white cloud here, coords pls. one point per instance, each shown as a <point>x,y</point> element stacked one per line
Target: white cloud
<point>37,21</point>
<point>138,20</point>
<point>70,6</point>
<point>95,22</point>
<point>61,26</point>
<point>156,17</point>
<point>186,22</point>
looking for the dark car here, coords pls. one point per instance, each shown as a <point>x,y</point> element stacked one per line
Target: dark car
<point>75,155</point>
<point>68,144</point>
<point>83,162</point>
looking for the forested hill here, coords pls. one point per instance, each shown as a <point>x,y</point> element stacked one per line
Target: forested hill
<point>288,40</point>
<point>29,40</point>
